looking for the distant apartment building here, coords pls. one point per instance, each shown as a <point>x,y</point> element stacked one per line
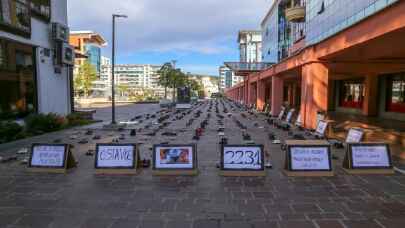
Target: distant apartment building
<point>88,44</point>
<point>209,83</point>
<point>250,46</point>
<point>136,78</point>
<point>35,58</point>
<point>227,78</point>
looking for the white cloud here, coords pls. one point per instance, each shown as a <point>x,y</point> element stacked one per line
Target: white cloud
<point>204,26</point>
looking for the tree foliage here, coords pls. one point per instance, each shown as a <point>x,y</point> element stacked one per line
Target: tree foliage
<point>85,77</point>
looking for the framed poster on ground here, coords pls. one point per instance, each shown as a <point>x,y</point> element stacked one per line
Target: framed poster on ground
<point>355,135</point>
<point>52,158</point>
<point>175,159</point>
<point>368,158</point>
<point>321,127</point>
<point>116,159</point>
<point>308,158</point>
<point>242,160</point>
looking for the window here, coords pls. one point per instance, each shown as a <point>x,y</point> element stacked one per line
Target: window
<point>41,8</point>
<point>352,94</point>
<point>396,94</point>
<point>17,80</point>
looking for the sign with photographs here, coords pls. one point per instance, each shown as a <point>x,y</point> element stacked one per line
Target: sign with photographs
<point>355,135</point>
<point>178,158</point>
<point>54,158</point>
<point>308,158</point>
<point>115,156</point>
<point>242,160</point>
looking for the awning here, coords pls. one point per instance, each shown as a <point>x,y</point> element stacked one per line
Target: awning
<point>244,69</point>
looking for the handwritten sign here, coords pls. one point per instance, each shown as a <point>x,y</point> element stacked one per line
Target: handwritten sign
<point>321,128</point>
<point>174,157</point>
<point>48,156</point>
<point>370,156</point>
<point>242,157</point>
<point>115,156</point>
<point>355,135</point>
<point>310,158</point>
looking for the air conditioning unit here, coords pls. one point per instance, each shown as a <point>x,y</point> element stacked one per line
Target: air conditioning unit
<point>68,54</point>
<point>60,32</point>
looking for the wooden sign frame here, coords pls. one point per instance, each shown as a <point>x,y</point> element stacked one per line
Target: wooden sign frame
<point>243,172</point>
<point>68,160</point>
<point>349,168</point>
<point>307,173</point>
<point>175,171</point>
<point>118,170</point>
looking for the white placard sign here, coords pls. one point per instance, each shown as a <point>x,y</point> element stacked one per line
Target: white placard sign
<point>289,115</point>
<point>48,156</point>
<point>298,122</point>
<point>174,157</point>
<point>242,157</point>
<point>354,135</point>
<point>310,158</point>
<point>321,128</point>
<point>115,156</point>
<point>370,156</point>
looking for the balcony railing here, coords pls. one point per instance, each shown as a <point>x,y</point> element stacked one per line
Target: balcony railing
<point>15,17</point>
<point>41,8</point>
<point>295,14</point>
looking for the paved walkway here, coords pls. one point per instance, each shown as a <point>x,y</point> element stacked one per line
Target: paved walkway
<point>81,199</point>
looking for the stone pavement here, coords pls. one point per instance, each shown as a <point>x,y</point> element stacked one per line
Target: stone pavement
<point>81,199</point>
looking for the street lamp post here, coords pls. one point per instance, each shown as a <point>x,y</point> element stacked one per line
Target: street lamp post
<point>113,121</point>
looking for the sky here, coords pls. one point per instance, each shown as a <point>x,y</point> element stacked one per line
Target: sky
<point>200,34</point>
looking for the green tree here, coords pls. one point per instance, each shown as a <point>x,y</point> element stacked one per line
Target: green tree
<point>165,75</point>
<point>177,79</point>
<point>122,89</point>
<point>85,77</point>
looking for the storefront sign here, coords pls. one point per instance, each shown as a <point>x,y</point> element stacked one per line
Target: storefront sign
<point>370,156</point>
<point>175,159</point>
<point>115,156</point>
<point>242,157</point>
<point>355,135</point>
<point>48,156</point>
<point>309,158</point>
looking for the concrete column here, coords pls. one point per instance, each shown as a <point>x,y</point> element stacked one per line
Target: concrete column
<point>277,85</point>
<point>246,92</point>
<point>261,93</point>
<point>370,103</point>
<point>314,92</point>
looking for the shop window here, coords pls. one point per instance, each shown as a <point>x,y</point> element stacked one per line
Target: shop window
<point>396,94</point>
<point>17,82</point>
<point>41,8</point>
<point>352,94</point>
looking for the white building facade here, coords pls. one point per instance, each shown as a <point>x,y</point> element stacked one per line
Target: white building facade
<point>135,77</point>
<point>35,58</point>
<point>250,46</point>
<point>227,78</point>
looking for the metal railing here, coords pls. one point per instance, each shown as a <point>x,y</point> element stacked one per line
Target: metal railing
<point>15,16</point>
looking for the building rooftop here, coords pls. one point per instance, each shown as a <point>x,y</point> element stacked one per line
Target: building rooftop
<point>95,37</point>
